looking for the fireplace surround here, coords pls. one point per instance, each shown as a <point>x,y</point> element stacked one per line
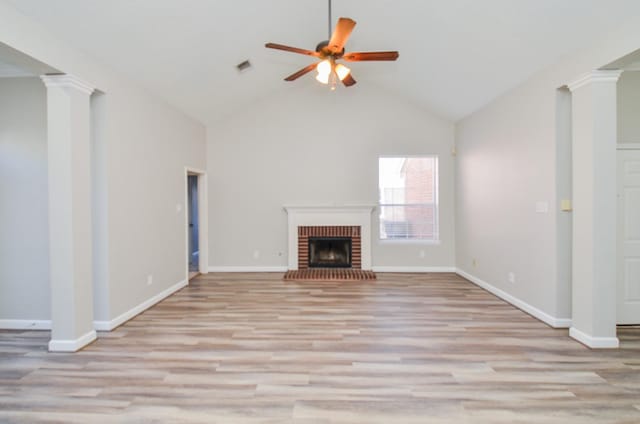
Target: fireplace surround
<point>329,221</point>
<point>329,233</point>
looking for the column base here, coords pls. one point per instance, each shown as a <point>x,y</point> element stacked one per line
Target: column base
<point>72,345</point>
<point>594,342</point>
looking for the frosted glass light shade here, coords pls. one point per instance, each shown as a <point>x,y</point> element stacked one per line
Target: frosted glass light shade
<point>323,78</point>
<point>342,71</point>
<point>324,67</point>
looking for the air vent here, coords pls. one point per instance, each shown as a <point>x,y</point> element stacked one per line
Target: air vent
<point>243,66</point>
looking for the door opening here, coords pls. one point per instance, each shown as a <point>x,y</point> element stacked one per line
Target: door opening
<point>193,229</point>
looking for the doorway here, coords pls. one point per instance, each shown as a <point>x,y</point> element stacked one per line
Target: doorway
<point>193,232</point>
<point>195,222</point>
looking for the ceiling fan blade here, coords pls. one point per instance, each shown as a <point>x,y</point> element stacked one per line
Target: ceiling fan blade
<point>341,34</point>
<point>291,49</point>
<point>348,81</point>
<point>301,72</point>
<point>364,56</point>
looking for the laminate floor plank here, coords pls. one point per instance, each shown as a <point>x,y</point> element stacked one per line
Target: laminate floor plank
<point>254,349</point>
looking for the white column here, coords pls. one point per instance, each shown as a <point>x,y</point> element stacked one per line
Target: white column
<point>594,122</point>
<point>69,162</point>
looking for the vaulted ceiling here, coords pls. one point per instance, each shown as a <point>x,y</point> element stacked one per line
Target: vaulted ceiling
<point>14,64</point>
<point>455,55</point>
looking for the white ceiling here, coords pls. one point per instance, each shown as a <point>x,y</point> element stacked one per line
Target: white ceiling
<point>455,55</point>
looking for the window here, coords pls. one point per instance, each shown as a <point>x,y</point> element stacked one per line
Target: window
<point>408,190</point>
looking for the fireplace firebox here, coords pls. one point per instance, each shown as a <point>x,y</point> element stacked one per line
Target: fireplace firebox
<point>330,252</point>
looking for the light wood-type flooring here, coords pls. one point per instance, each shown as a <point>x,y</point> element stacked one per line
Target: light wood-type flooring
<point>250,348</point>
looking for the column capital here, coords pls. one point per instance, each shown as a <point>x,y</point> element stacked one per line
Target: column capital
<point>595,77</point>
<point>67,81</point>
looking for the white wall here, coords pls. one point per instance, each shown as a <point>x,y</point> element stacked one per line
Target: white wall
<point>506,164</point>
<point>629,107</point>
<point>145,145</point>
<point>307,145</point>
<point>149,145</point>
<point>24,254</point>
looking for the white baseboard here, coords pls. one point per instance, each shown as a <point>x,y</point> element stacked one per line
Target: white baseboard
<point>72,345</point>
<point>520,304</point>
<point>562,323</point>
<point>248,269</point>
<point>594,342</point>
<point>25,324</point>
<point>416,269</point>
<point>374,269</point>
<point>126,316</point>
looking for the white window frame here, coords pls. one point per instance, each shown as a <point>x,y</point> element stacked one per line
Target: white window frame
<point>436,218</point>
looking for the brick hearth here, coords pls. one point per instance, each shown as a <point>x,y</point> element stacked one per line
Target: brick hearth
<point>329,274</point>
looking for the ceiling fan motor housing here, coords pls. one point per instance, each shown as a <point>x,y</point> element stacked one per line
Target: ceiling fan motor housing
<point>322,48</point>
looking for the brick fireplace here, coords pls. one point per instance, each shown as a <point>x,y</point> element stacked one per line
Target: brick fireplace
<point>331,221</point>
<point>305,233</point>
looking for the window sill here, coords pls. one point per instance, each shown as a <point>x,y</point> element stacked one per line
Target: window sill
<point>411,241</point>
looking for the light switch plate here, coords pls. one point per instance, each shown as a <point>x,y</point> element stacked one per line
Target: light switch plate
<point>565,205</point>
<point>542,207</point>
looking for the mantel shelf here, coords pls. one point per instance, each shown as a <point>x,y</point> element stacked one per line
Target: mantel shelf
<point>336,208</point>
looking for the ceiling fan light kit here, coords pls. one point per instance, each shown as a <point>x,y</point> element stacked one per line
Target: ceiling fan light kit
<point>330,72</point>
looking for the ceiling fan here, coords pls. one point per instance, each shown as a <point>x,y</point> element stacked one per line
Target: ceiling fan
<point>332,50</point>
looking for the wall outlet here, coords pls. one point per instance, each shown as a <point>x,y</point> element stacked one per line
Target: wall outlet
<point>474,262</point>
<point>256,254</point>
<point>149,279</point>
<point>511,277</point>
<point>422,253</point>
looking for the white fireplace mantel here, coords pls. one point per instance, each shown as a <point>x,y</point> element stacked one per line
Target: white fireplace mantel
<point>317,215</point>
